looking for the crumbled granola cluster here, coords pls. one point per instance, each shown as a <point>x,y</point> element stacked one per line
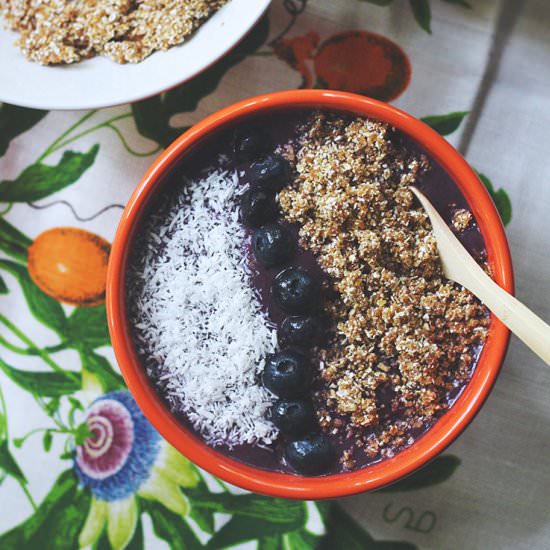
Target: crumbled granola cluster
<point>403,336</point>
<point>127,31</point>
<point>461,219</point>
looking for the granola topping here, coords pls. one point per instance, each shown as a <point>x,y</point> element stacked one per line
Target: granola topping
<point>461,220</point>
<point>403,337</point>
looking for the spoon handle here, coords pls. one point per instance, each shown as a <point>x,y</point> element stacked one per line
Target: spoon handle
<point>525,324</point>
<point>459,266</point>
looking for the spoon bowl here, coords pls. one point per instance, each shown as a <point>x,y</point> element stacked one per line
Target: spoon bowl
<point>459,266</point>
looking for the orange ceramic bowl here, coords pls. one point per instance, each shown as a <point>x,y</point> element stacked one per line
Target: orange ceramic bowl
<point>445,430</point>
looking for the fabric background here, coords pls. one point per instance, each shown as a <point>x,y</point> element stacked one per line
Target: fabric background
<point>490,489</point>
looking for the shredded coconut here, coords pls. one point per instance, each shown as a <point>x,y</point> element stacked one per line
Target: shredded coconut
<point>197,320</point>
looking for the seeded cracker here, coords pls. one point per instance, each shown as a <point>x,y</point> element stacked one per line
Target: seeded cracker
<point>127,31</point>
<point>403,336</point>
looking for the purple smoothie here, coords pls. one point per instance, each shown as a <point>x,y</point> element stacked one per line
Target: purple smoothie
<point>284,128</point>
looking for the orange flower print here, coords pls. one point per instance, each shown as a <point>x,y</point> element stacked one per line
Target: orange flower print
<point>70,265</point>
<point>364,63</point>
<point>295,52</point>
<point>354,61</point>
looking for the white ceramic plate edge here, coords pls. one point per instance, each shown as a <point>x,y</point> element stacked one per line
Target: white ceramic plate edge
<point>99,82</point>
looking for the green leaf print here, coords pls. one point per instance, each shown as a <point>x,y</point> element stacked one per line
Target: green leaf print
<point>56,523</point>
<point>344,532</point>
<point>101,368</point>
<point>9,465</point>
<point>41,180</point>
<point>422,13</point>
<point>288,514</point>
<point>3,287</point>
<point>171,527</point>
<point>254,516</point>
<point>47,441</point>
<point>445,124</point>
<point>102,543</point>
<point>421,9</point>
<point>244,528</point>
<point>302,540</point>
<point>16,120</point>
<point>136,543</point>
<point>153,115</point>
<point>203,517</point>
<point>273,542</point>
<point>438,471</point>
<point>46,310</point>
<point>52,406</point>
<point>13,242</point>
<point>87,327</point>
<point>500,198</point>
<point>44,384</point>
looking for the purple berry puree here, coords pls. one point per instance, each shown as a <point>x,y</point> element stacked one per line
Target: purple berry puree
<point>283,128</point>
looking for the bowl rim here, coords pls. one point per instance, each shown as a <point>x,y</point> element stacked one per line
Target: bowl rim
<point>429,445</point>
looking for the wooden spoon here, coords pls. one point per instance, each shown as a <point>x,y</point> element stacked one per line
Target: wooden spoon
<point>460,267</point>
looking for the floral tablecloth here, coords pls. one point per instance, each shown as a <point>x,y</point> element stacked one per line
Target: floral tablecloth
<point>478,74</point>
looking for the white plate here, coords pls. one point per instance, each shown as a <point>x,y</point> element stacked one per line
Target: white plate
<point>99,82</point>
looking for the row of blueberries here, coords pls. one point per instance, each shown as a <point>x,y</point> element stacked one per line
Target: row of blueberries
<point>287,373</point>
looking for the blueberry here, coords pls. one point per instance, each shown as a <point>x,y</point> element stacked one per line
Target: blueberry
<point>301,330</point>
<point>272,245</point>
<point>271,171</point>
<point>310,455</point>
<point>293,418</point>
<point>250,144</point>
<point>295,291</point>
<point>287,374</point>
<point>258,206</point>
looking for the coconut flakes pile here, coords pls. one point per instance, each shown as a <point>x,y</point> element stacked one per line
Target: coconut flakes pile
<point>197,321</point>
